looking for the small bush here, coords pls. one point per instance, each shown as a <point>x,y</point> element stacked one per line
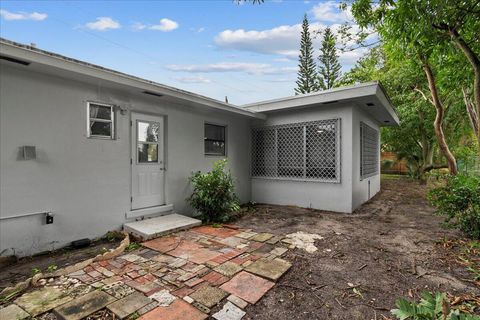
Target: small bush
<point>459,200</point>
<point>214,193</point>
<point>430,307</point>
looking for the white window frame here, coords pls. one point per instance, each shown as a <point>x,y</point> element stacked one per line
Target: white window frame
<point>112,120</point>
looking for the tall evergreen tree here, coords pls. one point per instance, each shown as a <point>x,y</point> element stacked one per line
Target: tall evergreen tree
<point>307,78</point>
<point>329,67</point>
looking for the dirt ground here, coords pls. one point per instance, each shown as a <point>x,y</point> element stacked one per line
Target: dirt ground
<point>389,248</point>
<point>24,267</point>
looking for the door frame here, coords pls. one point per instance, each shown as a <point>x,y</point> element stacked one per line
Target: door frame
<point>133,156</point>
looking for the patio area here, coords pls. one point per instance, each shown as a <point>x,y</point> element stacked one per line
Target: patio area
<point>187,275</point>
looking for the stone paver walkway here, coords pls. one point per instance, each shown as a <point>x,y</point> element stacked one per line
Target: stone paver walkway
<point>187,273</point>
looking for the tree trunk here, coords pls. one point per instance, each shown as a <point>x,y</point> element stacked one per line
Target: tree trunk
<point>475,62</point>
<point>437,124</point>
<point>472,114</point>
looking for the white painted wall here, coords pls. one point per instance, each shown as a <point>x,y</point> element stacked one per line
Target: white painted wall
<point>318,195</point>
<point>86,182</point>
<point>360,192</point>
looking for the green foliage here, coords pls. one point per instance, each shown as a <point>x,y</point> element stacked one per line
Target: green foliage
<point>51,268</point>
<point>458,199</point>
<point>112,236</point>
<point>329,67</point>
<point>35,271</point>
<point>430,307</point>
<point>214,193</point>
<point>307,79</point>
<point>132,246</point>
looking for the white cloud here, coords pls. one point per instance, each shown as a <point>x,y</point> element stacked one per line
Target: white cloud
<point>329,11</point>
<point>246,67</point>
<point>165,25</point>
<point>193,79</point>
<point>11,16</point>
<point>103,24</point>
<point>138,26</point>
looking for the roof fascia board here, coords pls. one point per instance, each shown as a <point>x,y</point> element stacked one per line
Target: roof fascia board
<point>37,56</point>
<point>347,93</point>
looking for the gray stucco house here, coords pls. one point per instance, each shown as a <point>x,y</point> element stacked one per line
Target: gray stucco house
<point>97,148</point>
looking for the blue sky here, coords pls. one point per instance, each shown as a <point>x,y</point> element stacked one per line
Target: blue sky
<point>215,48</point>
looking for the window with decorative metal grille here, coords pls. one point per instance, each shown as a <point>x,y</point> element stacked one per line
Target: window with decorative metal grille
<point>297,151</point>
<point>368,151</point>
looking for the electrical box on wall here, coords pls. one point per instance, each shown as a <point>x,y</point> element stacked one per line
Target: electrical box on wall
<point>49,218</point>
<point>29,152</point>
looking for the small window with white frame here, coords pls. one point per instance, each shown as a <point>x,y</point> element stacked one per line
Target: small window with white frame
<point>215,139</point>
<point>101,122</point>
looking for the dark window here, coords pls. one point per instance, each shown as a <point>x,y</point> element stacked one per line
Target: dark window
<point>214,139</point>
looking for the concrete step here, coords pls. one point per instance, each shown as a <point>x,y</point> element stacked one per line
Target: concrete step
<point>154,227</point>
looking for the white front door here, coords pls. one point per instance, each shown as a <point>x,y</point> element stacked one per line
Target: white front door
<point>148,170</point>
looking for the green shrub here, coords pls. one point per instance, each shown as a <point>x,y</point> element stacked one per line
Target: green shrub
<point>214,193</point>
<point>430,307</point>
<point>459,200</point>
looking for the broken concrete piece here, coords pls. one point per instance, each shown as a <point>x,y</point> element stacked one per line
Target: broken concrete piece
<point>229,312</point>
<point>237,301</point>
<point>163,297</point>
<point>302,240</point>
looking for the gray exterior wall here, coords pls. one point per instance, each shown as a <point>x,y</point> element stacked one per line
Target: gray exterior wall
<point>360,188</point>
<point>319,195</point>
<point>86,182</point>
<point>345,196</point>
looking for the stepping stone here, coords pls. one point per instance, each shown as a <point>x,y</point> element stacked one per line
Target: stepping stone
<point>228,268</point>
<point>216,232</point>
<point>118,289</point>
<point>237,301</point>
<point>208,296</point>
<point>81,307</point>
<point>229,312</point>
<point>278,251</point>
<point>128,305</point>
<point>178,310</point>
<point>163,244</point>
<point>232,241</point>
<point>13,312</point>
<point>246,234</point>
<point>262,237</point>
<point>247,286</point>
<point>43,300</point>
<point>272,270</point>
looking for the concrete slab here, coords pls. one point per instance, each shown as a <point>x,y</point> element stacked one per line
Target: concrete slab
<point>208,296</point>
<point>43,300</point>
<point>155,227</point>
<point>13,312</point>
<point>128,305</point>
<point>272,269</point>
<point>81,307</point>
<point>228,269</point>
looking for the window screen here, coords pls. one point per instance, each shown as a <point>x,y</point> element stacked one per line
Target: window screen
<point>214,139</point>
<point>368,151</point>
<point>298,151</point>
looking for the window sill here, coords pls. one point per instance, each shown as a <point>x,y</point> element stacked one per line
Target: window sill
<point>298,180</point>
